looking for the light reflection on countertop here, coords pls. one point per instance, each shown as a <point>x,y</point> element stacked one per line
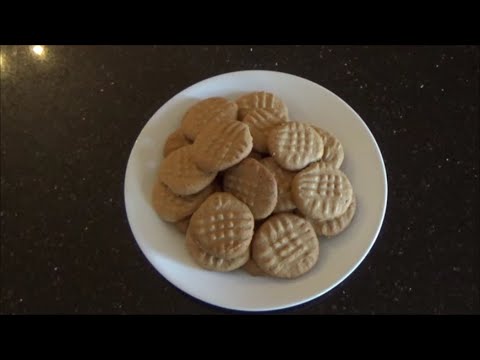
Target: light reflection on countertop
<point>38,50</point>
<point>24,61</point>
<point>3,66</point>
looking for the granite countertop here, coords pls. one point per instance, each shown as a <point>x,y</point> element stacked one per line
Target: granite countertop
<point>70,115</point>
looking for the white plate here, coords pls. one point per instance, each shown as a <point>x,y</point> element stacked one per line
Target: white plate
<point>164,246</point>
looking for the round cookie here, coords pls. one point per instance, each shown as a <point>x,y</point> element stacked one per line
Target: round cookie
<point>255,155</point>
<point>181,175</point>
<point>182,225</point>
<point>214,109</point>
<point>171,207</point>
<point>222,145</point>
<point>261,100</point>
<point>260,123</point>
<point>321,193</point>
<point>284,181</point>
<point>211,262</point>
<point>222,226</point>
<point>336,225</point>
<point>333,153</point>
<point>285,246</point>
<point>175,141</point>
<point>295,145</point>
<point>254,184</point>
<point>252,268</point>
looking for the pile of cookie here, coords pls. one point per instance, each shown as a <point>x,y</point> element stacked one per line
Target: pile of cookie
<point>251,188</point>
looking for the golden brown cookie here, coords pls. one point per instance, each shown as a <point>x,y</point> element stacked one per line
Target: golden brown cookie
<point>285,246</point>
<point>336,225</point>
<point>255,155</point>
<point>295,145</point>
<point>261,100</point>
<point>175,141</point>
<point>222,226</point>
<point>260,123</point>
<point>254,184</point>
<point>181,175</point>
<point>284,181</point>
<point>252,268</point>
<point>214,109</point>
<point>222,145</point>
<point>211,262</point>
<point>321,193</point>
<point>332,150</point>
<point>171,207</point>
<point>182,225</point>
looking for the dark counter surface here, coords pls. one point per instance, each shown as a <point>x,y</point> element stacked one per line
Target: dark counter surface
<point>69,118</point>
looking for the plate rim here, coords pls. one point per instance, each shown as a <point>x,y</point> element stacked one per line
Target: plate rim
<point>289,304</point>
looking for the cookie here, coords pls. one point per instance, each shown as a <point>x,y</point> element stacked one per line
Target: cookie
<point>222,145</point>
<point>211,262</point>
<point>175,141</point>
<point>321,193</point>
<point>171,207</point>
<point>285,246</point>
<point>260,122</point>
<point>182,225</point>
<point>336,225</point>
<point>294,145</point>
<point>333,153</point>
<point>254,184</point>
<point>252,268</point>
<point>214,109</point>
<point>222,226</point>
<point>181,175</point>
<point>261,100</point>
<point>284,181</point>
<point>255,155</point>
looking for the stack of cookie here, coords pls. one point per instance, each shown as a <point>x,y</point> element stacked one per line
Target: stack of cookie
<point>251,188</point>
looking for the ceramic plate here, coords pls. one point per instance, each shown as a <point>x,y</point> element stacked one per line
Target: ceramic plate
<point>307,101</point>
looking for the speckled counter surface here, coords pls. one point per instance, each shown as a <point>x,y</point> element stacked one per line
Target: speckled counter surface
<point>70,116</point>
